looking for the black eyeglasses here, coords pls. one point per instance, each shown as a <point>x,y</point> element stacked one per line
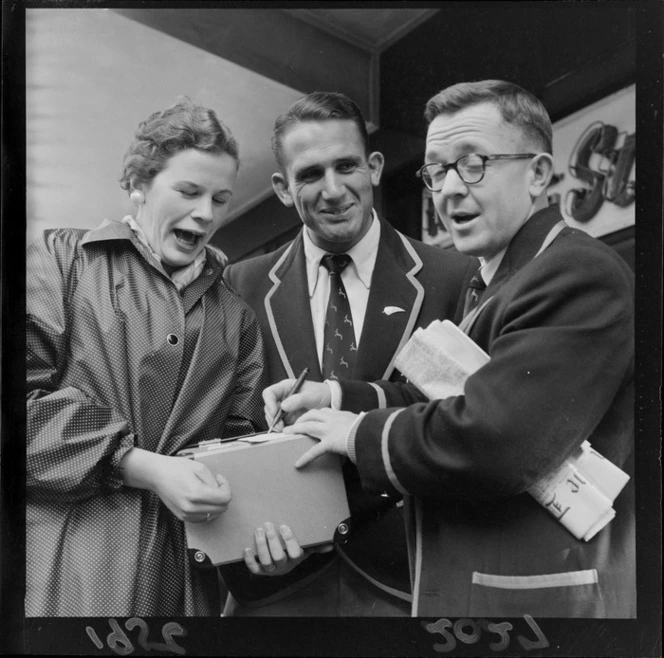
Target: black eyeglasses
<point>470,168</point>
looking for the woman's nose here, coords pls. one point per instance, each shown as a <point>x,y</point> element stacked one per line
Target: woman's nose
<point>203,209</point>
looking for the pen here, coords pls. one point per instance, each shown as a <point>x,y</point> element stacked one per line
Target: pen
<point>296,387</point>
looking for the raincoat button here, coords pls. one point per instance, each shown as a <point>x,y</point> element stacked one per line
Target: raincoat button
<point>172,339</point>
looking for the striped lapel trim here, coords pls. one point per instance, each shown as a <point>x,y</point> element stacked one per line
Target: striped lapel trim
<point>272,275</point>
<point>417,305</point>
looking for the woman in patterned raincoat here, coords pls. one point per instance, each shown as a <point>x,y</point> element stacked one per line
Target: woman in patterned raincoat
<point>136,348</point>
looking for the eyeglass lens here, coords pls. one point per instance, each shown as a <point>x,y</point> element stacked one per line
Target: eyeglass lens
<point>469,167</point>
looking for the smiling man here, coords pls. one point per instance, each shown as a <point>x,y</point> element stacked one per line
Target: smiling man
<point>557,320</point>
<point>391,285</point>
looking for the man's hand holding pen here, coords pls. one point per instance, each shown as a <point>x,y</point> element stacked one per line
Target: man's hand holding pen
<point>307,412</point>
<point>278,398</point>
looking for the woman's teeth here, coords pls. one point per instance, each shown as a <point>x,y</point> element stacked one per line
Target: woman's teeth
<point>188,237</point>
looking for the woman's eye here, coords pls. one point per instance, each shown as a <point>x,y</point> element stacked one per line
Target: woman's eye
<point>220,201</point>
<point>189,194</point>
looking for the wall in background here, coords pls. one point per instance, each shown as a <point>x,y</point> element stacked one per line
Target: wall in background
<point>91,77</point>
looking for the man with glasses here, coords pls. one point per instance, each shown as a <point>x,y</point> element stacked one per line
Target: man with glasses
<point>557,320</point>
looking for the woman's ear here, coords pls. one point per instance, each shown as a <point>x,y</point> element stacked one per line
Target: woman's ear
<point>280,187</point>
<point>137,197</point>
<point>540,172</point>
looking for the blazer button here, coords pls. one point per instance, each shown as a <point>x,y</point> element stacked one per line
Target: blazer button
<point>172,339</point>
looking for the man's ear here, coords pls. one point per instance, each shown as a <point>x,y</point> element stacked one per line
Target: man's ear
<point>280,187</point>
<point>540,172</point>
<point>376,163</point>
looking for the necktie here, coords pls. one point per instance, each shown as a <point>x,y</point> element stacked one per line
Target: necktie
<point>339,349</point>
<point>474,293</point>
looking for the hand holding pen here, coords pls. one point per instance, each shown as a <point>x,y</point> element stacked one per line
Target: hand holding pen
<point>286,400</point>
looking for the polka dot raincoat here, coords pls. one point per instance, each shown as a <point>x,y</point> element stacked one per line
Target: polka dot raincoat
<point>116,358</point>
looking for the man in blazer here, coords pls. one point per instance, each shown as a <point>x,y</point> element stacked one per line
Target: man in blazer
<point>557,320</point>
<point>395,285</point>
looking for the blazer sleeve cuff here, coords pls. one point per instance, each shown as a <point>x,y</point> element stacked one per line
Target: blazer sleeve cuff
<point>360,396</point>
<point>350,439</point>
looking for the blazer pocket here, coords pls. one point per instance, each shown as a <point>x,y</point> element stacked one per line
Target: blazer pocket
<point>567,594</point>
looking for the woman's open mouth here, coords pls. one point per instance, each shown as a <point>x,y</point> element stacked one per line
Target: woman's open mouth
<point>187,238</point>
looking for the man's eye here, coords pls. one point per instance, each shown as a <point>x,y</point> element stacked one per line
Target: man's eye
<point>346,167</point>
<point>308,176</point>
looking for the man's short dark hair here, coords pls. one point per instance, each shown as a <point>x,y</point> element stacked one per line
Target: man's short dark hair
<point>318,106</point>
<point>517,107</point>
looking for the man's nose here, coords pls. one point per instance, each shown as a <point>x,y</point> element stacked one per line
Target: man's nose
<point>332,186</point>
<point>453,184</point>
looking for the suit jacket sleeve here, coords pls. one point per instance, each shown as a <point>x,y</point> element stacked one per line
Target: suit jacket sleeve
<point>561,345</point>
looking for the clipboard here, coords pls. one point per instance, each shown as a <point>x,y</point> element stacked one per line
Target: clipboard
<point>266,486</point>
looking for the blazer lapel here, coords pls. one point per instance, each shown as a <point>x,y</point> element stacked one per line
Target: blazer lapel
<point>523,247</point>
<point>289,313</point>
<point>394,304</point>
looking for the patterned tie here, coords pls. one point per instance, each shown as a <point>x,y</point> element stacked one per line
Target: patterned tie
<point>339,349</point>
<point>474,293</point>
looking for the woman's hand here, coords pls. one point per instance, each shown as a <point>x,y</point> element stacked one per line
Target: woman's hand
<point>312,395</point>
<point>277,554</point>
<point>188,488</point>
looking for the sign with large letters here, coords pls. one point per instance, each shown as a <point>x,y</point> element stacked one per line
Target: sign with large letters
<point>595,166</point>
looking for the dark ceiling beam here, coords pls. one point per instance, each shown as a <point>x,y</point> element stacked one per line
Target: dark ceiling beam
<point>275,44</point>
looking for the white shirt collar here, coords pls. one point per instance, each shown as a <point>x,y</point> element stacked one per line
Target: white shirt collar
<point>363,254</point>
<point>490,266</point>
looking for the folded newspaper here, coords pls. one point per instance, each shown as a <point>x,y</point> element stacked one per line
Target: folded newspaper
<point>580,494</point>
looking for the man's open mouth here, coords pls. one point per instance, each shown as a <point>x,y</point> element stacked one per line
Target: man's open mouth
<point>462,218</point>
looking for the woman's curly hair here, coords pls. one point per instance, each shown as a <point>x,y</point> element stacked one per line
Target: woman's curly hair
<point>184,125</point>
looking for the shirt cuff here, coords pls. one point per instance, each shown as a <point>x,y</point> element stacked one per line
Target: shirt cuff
<point>350,439</point>
<point>335,394</point>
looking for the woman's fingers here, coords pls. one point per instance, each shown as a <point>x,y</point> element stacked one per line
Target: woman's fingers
<point>274,545</point>
<point>276,553</point>
<point>251,562</point>
<point>293,547</point>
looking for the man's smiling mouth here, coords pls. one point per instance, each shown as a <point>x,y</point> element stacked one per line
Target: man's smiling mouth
<point>337,211</point>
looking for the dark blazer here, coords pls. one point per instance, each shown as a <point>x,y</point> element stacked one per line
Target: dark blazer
<point>559,329</point>
<point>424,282</point>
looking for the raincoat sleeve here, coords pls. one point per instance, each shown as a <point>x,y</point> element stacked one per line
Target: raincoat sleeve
<point>74,443</point>
<point>246,414</point>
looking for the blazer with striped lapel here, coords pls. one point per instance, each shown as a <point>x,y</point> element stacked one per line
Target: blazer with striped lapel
<point>423,282</point>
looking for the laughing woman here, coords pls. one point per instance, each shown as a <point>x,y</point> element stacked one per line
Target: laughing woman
<point>136,348</point>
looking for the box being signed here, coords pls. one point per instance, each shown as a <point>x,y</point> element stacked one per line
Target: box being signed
<point>266,486</point>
